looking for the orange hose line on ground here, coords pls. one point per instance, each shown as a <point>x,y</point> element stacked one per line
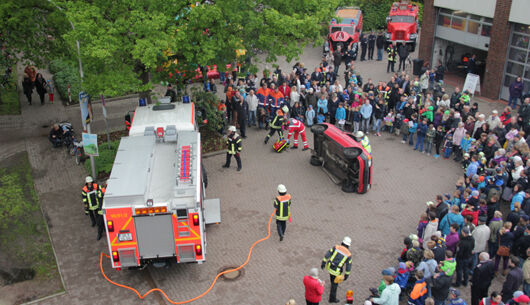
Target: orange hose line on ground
<point>202,294</point>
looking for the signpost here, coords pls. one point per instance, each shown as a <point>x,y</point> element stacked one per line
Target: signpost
<point>104,109</point>
<point>86,117</point>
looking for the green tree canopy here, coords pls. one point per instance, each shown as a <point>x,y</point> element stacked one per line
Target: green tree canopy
<point>123,39</point>
<point>30,30</point>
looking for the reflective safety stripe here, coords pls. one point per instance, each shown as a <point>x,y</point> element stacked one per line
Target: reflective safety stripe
<point>340,254</point>
<point>366,144</point>
<point>283,204</point>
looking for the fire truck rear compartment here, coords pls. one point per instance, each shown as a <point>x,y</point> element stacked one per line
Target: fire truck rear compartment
<point>155,236</point>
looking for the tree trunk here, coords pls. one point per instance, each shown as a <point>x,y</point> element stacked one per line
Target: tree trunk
<point>145,77</point>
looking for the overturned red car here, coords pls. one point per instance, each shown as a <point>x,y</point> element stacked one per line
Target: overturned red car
<point>343,158</point>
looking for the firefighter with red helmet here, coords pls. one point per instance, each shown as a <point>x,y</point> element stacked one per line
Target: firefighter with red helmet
<point>92,196</point>
<point>296,127</point>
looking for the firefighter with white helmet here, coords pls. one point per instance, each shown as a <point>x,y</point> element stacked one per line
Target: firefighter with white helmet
<point>234,147</point>
<point>92,200</point>
<point>282,204</point>
<point>363,139</point>
<point>337,262</point>
<point>276,124</point>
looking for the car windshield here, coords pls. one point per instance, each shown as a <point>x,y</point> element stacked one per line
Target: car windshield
<point>404,19</point>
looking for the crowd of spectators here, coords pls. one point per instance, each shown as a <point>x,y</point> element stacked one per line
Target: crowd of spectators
<point>465,234</point>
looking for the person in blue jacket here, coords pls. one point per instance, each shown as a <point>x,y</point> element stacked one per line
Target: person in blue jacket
<point>421,133</point>
<point>452,217</point>
<point>340,116</point>
<point>413,127</point>
<point>310,115</point>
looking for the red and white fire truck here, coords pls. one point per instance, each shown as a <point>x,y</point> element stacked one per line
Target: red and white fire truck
<point>154,206</point>
<point>402,24</point>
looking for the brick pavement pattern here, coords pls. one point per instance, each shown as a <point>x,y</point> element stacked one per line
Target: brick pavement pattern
<point>322,213</point>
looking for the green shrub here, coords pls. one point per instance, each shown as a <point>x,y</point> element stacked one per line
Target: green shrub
<point>106,157</point>
<point>9,99</point>
<point>209,102</point>
<point>66,72</point>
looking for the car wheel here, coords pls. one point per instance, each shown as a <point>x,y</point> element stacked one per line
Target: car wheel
<point>318,129</point>
<point>348,186</point>
<point>315,161</point>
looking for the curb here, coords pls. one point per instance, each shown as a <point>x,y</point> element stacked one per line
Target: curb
<point>213,153</point>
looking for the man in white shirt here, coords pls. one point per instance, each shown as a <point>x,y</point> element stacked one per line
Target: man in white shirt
<point>481,234</point>
<point>252,101</point>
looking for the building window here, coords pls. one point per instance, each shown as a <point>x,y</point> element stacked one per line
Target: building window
<point>465,22</point>
<point>518,61</point>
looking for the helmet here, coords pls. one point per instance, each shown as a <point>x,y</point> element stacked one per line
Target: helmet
<point>282,188</point>
<point>359,134</point>
<point>285,109</point>
<point>292,121</point>
<point>89,179</point>
<point>347,241</point>
<point>232,128</point>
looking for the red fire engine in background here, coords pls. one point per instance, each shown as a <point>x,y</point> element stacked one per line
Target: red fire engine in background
<point>402,24</point>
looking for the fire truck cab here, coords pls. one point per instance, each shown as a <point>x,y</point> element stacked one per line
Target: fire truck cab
<point>154,207</point>
<point>345,31</point>
<point>402,24</point>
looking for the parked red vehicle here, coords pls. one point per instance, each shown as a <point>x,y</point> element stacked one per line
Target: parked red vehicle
<point>343,158</point>
<point>402,24</point>
<point>345,30</point>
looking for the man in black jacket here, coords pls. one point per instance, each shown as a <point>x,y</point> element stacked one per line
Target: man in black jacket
<point>403,52</point>
<point>524,114</point>
<point>371,45</point>
<point>364,44</point>
<point>455,97</point>
<point>514,279</point>
<point>380,44</point>
<point>440,287</point>
<point>337,59</point>
<point>464,257</point>
<point>441,207</point>
<point>481,279</point>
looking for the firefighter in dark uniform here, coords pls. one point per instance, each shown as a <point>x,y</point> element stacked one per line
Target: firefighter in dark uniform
<point>338,261</point>
<point>93,199</point>
<point>233,143</point>
<point>392,54</point>
<point>282,204</point>
<point>277,123</point>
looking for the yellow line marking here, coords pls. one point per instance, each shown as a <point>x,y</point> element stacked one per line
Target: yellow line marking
<point>113,243</point>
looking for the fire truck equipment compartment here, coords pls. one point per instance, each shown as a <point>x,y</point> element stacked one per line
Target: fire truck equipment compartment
<point>155,236</point>
<point>212,211</point>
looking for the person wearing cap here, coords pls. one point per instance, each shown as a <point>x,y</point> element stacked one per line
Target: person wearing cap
<point>494,121</point>
<point>464,257</point>
<point>314,287</point>
<point>390,294</point>
<point>514,279</point>
<point>282,204</point>
<point>338,261</point>
<point>519,298</point>
<point>234,147</point>
<point>92,197</point>
<point>454,297</point>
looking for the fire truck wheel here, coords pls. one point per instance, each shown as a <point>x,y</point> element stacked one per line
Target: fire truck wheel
<point>348,186</point>
<point>315,161</point>
<point>318,129</point>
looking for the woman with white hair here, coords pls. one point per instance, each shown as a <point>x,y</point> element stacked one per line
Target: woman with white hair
<point>314,287</point>
<point>459,134</point>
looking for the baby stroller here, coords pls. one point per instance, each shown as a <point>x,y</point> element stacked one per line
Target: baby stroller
<point>68,133</point>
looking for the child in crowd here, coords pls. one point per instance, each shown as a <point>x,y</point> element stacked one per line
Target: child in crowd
<point>310,116</point>
<point>438,139</point>
<point>429,139</point>
<point>340,116</point>
<point>389,122</point>
<point>413,127</point>
<point>356,116</point>
<point>424,220</point>
<point>321,117</point>
<point>448,266</point>
<point>448,146</point>
<point>405,130</point>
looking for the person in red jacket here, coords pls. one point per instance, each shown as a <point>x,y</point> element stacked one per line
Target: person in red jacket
<point>298,128</point>
<point>314,287</point>
<point>286,91</point>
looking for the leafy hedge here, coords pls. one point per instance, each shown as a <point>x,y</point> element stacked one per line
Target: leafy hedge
<point>208,102</point>
<point>66,72</point>
<point>106,157</point>
<point>9,100</point>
